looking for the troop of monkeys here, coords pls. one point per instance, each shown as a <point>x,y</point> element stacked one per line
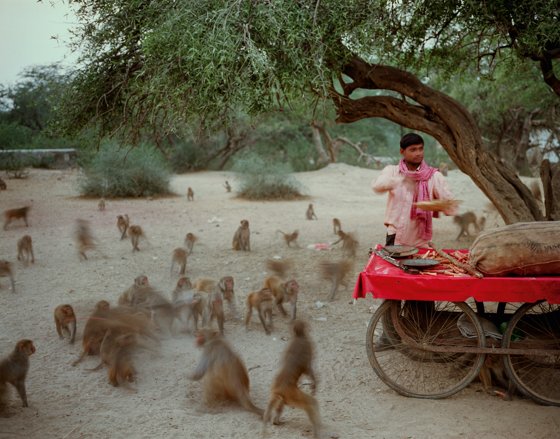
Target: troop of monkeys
<point>116,333</point>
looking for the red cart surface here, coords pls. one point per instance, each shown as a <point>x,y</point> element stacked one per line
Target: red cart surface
<point>434,334</point>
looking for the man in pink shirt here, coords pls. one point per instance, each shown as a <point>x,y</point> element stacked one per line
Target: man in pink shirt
<point>411,181</point>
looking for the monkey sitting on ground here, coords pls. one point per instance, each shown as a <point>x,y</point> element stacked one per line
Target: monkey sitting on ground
<point>337,227</point>
<point>297,361</point>
<point>6,271</point>
<point>3,186</point>
<point>65,321</point>
<point>225,286</point>
<point>25,249</point>
<point>190,194</point>
<point>94,330</point>
<point>116,352</point>
<point>15,214</point>
<point>310,212</point>
<point>227,186</point>
<point>261,300</point>
<point>242,237</point>
<point>125,298</point>
<point>122,224</point>
<point>493,367</point>
<point>101,204</point>
<point>179,257</point>
<point>135,232</point>
<point>465,220</point>
<point>225,375</point>
<point>190,239</point>
<point>290,237</point>
<point>349,243</point>
<point>14,368</point>
<point>283,291</point>
<point>336,272</point>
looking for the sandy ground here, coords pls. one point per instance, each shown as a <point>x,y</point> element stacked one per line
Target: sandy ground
<point>71,402</point>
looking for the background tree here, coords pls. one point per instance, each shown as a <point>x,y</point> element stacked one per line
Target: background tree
<point>149,67</point>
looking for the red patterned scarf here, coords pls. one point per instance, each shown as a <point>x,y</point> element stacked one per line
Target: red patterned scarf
<point>421,176</point>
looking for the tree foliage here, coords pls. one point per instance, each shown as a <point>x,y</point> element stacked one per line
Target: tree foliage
<point>149,67</point>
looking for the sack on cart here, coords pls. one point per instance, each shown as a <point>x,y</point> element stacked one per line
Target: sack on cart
<point>520,249</point>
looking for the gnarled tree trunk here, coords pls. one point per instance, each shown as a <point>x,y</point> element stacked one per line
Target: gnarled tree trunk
<point>449,122</point>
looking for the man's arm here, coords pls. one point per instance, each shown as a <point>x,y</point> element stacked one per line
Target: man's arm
<point>387,180</point>
<point>442,192</point>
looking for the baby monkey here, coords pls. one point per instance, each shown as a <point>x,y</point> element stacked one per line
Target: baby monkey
<point>65,321</point>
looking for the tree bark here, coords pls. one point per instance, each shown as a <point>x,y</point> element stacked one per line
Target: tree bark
<point>550,176</point>
<point>318,142</point>
<point>445,119</point>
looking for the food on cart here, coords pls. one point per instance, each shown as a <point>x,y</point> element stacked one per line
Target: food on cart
<point>521,249</point>
<point>437,205</point>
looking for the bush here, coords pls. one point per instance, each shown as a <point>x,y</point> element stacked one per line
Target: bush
<point>116,172</point>
<point>262,180</point>
<point>16,165</point>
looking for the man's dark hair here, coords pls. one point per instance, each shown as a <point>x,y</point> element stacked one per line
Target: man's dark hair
<point>411,139</point>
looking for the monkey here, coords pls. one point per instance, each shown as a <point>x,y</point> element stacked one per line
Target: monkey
<point>310,213</point>
<point>25,249</point>
<point>190,194</point>
<point>290,237</point>
<point>204,284</point>
<point>84,238</point>
<point>241,238</point>
<point>225,286</point>
<point>122,224</point>
<point>336,225</point>
<point>336,272</point>
<point>135,232</point>
<point>297,361</point>
<point>14,368</point>
<point>152,303</point>
<point>279,268</point>
<point>227,186</point>
<point>6,271</point>
<point>349,243</point>
<point>179,257</point>
<point>443,168</point>
<point>283,291</point>
<point>187,302</point>
<point>261,300</point>
<point>15,214</point>
<point>464,221</point>
<point>225,373</point>
<point>101,205</point>
<point>94,331</point>
<point>183,284</point>
<point>125,298</point>
<point>493,367</point>
<point>215,309</point>
<point>3,186</point>
<point>116,352</point>
<point>65,321</point>
<point>190,239</point>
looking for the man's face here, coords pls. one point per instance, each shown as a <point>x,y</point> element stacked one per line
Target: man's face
<point>413,154</point>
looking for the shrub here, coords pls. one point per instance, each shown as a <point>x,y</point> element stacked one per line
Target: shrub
<point>117,172</point>
<point>261,180</point>
<point>16,165</point>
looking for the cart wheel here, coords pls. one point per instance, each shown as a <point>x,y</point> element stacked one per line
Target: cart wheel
<point>535,326</point>
<point>416,372</point>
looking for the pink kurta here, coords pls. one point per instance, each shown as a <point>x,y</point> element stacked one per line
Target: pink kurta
<point>401,193</point>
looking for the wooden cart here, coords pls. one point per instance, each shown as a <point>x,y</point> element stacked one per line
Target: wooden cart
<point>427,338</point>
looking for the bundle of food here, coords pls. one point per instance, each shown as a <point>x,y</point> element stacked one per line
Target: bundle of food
<point>437,205</point>
<point>522,249</point>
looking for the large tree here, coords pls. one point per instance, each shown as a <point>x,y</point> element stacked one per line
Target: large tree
<point>151,66</point>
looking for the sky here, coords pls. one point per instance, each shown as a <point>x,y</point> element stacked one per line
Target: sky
<point>26,27</point>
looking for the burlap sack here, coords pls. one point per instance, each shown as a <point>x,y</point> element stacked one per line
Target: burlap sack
<point>523,249</point>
